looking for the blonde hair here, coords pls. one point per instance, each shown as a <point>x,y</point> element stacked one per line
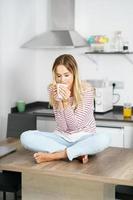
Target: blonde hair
<point>70,63</point>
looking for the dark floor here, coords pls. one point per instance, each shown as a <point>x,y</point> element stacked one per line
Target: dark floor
<point>9,196</point>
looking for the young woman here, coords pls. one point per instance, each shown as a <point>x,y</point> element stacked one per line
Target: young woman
<point>75,135</point>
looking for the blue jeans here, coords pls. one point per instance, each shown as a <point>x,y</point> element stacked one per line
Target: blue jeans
<point>51,142</point>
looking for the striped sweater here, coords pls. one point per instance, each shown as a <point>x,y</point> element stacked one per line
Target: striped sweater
<point>70,120</point>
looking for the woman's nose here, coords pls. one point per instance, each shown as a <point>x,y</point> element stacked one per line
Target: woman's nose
<point>62,79</point>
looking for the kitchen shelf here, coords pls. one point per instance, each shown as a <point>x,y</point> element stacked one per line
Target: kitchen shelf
<point>110,52</point>
<point>125,54</point>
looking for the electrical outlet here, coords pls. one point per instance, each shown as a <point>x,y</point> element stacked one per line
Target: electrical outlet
<point>118,84</point>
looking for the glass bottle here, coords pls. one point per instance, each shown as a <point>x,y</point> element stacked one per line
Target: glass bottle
<point>118,42</point>
<point>127,110</point>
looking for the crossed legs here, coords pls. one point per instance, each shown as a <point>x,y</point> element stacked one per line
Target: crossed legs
<point>51,146</point>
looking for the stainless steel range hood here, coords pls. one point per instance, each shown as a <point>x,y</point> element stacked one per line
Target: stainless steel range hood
<point>61,33</point>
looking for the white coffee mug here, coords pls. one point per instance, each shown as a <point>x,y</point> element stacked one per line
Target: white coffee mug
<point>59,97</point>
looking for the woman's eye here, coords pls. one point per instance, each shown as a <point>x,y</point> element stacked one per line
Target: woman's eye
<point>59,76</point>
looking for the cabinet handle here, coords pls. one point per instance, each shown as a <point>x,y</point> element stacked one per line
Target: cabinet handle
<point>119,127</point>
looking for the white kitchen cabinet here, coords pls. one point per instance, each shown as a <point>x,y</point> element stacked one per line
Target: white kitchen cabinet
<point>128,136</point>
<point>116,135</point>
<point>47,124</point>
<point>121,133</point>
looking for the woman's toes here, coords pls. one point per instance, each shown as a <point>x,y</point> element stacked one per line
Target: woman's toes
<point>85,159</point>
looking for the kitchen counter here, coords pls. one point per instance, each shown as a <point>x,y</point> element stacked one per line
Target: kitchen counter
<point>44,110</point>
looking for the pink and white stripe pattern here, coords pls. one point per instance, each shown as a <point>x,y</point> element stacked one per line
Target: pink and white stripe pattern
<point>70,120</point>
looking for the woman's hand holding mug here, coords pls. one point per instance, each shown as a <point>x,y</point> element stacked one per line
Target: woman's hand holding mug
<point>63,93</point>
<point>60,91</point>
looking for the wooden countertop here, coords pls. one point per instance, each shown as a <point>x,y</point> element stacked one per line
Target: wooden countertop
<point>114,165</point>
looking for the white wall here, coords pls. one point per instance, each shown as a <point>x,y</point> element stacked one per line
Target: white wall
<point>25,74</point>
<point>17,70</point>
<point>96,17</point>
<point>106,17</point>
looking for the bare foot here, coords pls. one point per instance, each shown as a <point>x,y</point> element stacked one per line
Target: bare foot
<point>84,159</point>
<point>42,157</point>
<point>45,157</point>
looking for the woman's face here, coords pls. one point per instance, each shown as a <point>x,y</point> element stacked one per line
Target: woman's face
<point>63,75</point>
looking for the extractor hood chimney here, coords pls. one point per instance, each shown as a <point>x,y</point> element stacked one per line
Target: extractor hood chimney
<point>61,33</point>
